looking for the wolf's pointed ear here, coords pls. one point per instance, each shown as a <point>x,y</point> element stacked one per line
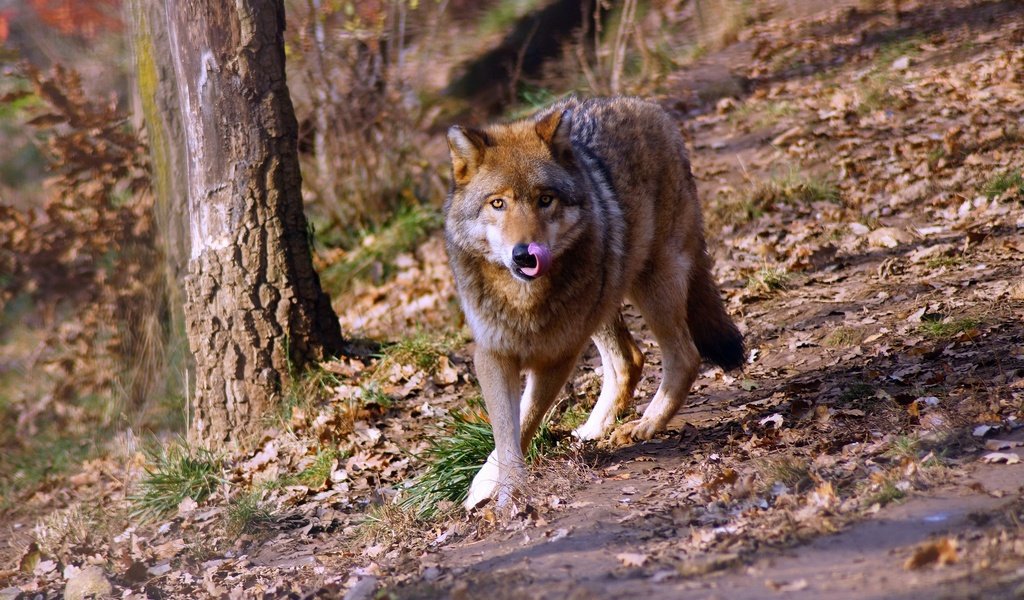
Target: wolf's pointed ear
<point>554,129</point>
<point>467,148</point>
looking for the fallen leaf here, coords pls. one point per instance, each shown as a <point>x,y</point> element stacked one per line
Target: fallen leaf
<point>791,586</point>
<point>942,552</point>
<point>88,582</point>
<point>632,559</point>
<point>995,445</point>
<point>1001,457</point>
<point>981,430</point>
<point>554,536</point>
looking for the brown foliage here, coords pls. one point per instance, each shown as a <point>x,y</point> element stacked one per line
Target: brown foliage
<point>82,17</point>
<point>86,257</point>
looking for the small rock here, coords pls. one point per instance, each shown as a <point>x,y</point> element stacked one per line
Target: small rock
<point>888,237</point>
<point>725,105</point>
<point>89,582</point>
<point>364,589</point>
<point>859,228</point>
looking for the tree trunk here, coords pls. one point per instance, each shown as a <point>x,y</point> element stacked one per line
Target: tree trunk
<point>254,308</point>
<point>155,103</point>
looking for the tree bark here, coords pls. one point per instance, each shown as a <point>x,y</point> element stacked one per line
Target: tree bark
<point>254,309</point>
<point>155,103</point>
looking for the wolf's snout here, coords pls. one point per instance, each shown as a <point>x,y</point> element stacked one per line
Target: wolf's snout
<point>531,260</point>
<point>522,257</point>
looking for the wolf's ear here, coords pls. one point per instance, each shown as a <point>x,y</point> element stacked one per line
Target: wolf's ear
<point>467,148</point>
<point>554,129</point>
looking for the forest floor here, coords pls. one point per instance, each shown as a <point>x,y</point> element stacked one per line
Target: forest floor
<point>861,174</point>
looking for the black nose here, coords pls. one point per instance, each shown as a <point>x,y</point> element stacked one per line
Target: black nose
<point>522,257</point>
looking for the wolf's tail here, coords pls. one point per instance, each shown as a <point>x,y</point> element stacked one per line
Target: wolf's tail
<point>716,336</point>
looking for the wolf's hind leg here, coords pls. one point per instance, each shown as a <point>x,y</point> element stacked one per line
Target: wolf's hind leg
<point>621,366</point>
<point>662,301</point>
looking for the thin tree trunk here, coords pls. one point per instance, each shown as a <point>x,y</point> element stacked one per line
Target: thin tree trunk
<point>156,101</point>
<point>254,308</point>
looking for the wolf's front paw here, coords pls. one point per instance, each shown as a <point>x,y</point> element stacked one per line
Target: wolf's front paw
<point>591,430</point>
<point>484,484</point>
<point>634,431</point>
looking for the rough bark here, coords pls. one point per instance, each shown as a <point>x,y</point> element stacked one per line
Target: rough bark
<point>254,308</point>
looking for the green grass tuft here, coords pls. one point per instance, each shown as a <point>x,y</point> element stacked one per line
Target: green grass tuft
<point>886,494</point>
<point>454,456</point>
<point>768,279</point>
<point>949,328</point>
<point>1006,181</point>
<point>317,474</point>
<point>904,446</point>
<point>940,262</point>
<point>175,473</point>
<point>373,255</point>
<point>794,188</point>
<point>423,351</point>
<point>247,512</point>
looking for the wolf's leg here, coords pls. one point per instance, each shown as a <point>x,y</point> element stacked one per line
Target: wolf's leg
<point>622,363</point>
<point>543,385</point>
<point>661,299</point>
<point>505,468</point>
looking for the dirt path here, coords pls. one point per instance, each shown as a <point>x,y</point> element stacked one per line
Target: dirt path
<point>575,554</point>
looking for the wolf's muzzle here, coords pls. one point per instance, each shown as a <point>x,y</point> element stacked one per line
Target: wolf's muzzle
<point>522,258</point>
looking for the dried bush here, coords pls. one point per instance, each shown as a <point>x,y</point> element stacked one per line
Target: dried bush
<point>359,115</point>
<point>86,255</point>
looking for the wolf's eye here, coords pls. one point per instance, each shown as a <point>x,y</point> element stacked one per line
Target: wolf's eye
<point>497,203</point>
<point>545,200</point>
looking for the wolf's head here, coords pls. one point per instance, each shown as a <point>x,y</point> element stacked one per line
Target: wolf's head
<point>516,198</point>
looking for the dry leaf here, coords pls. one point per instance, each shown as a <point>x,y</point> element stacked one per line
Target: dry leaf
<point>792,586</point>
<point>996,445</point>
<point>941,552</point>
<point>1001,457</point>
<point>632,559</point>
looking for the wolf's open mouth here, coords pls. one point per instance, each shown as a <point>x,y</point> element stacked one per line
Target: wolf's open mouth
<point>521,274</point>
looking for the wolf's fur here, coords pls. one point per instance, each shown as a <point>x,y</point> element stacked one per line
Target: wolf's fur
<point>625,223</point>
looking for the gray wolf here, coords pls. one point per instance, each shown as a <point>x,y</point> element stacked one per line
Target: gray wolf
<point>552,221</point>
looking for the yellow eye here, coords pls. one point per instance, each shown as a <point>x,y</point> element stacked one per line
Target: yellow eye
<point>545,200</point>
<point>498,203</point>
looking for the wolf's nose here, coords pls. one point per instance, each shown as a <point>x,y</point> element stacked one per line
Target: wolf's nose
<point>522,257</point>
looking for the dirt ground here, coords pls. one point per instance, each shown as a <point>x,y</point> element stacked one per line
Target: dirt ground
<point>861,173</point>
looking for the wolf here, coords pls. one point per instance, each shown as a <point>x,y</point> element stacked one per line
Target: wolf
<point>552,221</point>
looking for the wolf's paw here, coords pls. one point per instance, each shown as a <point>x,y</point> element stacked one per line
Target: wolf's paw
<point>484,485</point>
<point>591,430</point>
<point>634,431</point>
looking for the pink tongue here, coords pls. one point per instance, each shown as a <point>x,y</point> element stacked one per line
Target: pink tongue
<point>543,256</point>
